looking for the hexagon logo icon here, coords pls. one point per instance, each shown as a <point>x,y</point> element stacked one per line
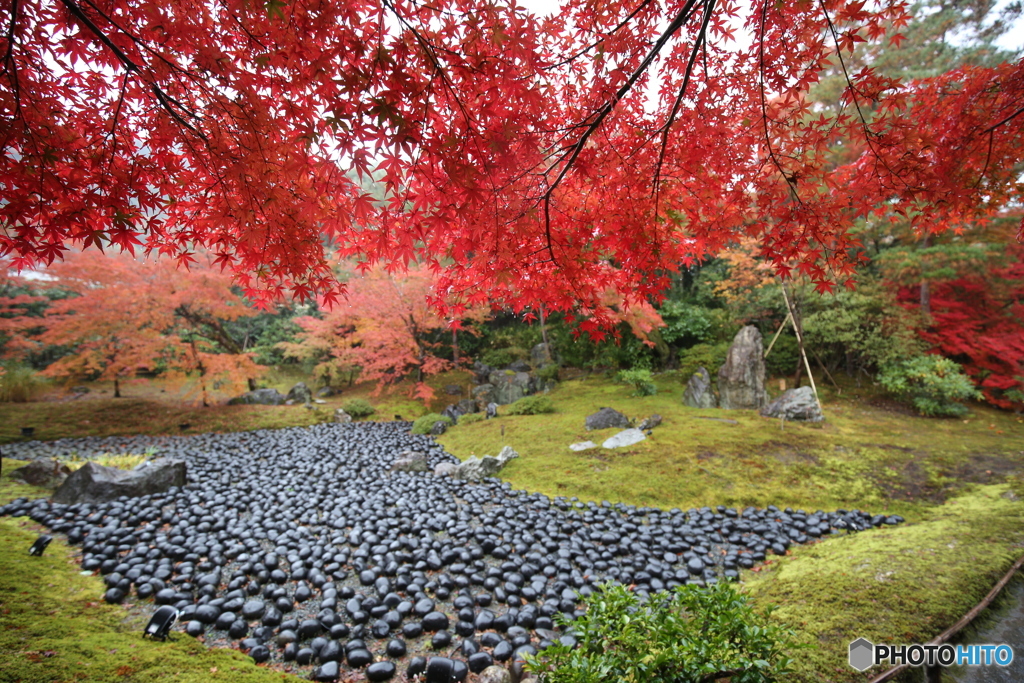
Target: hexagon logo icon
<point>862,654</point>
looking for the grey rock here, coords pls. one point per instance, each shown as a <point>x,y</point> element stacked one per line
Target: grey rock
<point>452,412</point>
<point>494,674</point>
<point>410,461</point>
<point>741,379</point>
<point>46,473</point>
<point>453,389</point>
<point>626,437</point>
<point>582,446</point>
<point>326,392</point>
<point>439,428</point>
<point>649,423</point>
<point>467,406</point>
<point>300,392</point>
<point>519,366</point>
<point>542,355</point>
<point>475,469</point>
<point>510,386</point>
<point>606,418</point>
<point>481,371</point>
<point>699,393</point>
<point>492,410</point>
<point>262,397</point>
<point>484,394</point>
<point>795,404</point>
<point>94,483</point>
<point>505,454</point>
<point>341,417</point>
<point>443,468</point>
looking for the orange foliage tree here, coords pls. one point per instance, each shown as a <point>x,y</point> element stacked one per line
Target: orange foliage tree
<point>383,329</point>
<point>129,316</point>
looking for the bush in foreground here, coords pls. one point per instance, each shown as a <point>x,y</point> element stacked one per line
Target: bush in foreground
<point>689,635</point>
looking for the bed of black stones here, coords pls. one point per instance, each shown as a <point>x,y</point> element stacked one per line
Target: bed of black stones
<point>300,546</point>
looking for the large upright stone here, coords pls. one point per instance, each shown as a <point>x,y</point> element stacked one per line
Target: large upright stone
<point>741,379</point>
<point>300,393</point>
<point>698,392</point>
<point>94,483</point>
<point>795,404</point>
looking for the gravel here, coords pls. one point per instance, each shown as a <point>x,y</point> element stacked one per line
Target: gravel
<point>301,546</point>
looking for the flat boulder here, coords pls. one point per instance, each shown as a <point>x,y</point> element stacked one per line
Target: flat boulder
<point>626,437</point>
<point>475,469</point>
<point>698,392</point>
<point>741,379</point>
<point>410,461</point>
<point>94,483</point>
<point>582,446</point>
<point>261,397</point>
<point>47,473</point>
<point>606,418</point>
<point>798,405</point>
<point>341,417</point>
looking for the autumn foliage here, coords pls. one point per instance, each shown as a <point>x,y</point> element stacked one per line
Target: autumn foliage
<point>126,316</point>
<point>529,162</point>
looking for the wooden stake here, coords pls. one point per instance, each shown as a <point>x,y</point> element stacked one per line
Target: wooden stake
<point>800,343</point>
<point>778,332</point>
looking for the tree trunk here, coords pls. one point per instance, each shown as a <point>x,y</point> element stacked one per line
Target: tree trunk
<point>252,384</point>
<point>544,329</point>
<point>455,345</point>
<point>926,293</point>
<point>117,388</point>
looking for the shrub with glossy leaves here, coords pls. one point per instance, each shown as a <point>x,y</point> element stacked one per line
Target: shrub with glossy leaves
<point>934,385</point>
<point>684,636</point>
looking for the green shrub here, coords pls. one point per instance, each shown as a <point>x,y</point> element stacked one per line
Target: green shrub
<point>358,407</point>
<point>934,385</point>
<point>471,418</point>
<point>424,424</point>
<point>499,358</point>
<point>640,379</point>
<point>708,356</point>
<point>682,636</point>
<point>531,405</point>
<point>19,384</point>
<point>784,356</point>
<point>548,373</point>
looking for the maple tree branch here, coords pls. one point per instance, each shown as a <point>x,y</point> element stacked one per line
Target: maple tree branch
<point>790,181</point>
<point>590,47</point>
<point>700,40</point>
<point>103,37</point>
<point>1006,120</point>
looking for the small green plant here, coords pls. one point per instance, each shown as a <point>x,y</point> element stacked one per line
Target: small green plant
<point>640,379</point>
<point>531,405</point>
<point>424,424</point>
<point>358,407</point>
<point>548,373</point>
<point>19,384</point>
<point>471,418</point>
<point>688,635</point>
<point>934,385</point>
<point>708,356</point>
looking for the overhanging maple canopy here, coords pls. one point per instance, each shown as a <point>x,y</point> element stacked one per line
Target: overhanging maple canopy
<point>525,161</point>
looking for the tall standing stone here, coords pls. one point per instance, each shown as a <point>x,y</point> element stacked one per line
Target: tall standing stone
<point>741,379</point>
<point>698,392</point>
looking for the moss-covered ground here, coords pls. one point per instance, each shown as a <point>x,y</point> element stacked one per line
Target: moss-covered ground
<point>955,481</point>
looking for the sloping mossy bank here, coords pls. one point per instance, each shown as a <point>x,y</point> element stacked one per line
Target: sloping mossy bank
<point>55,627</point>
<point>896,585</point>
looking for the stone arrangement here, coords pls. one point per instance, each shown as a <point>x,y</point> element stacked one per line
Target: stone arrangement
<point>308,546</point>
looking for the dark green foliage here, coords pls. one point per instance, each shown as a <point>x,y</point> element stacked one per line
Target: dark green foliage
<point>471,418</point>
<point>707,356</point>
<point>358,407</point>
<point>500,358</point>
<point>687,324</point>
<point>640,379</point>
<point>933,384</point>
<point>531,405</point>
<point>424,424</point>
<point>547,373</point>
<point>784,356</point>
<point>680,637</point>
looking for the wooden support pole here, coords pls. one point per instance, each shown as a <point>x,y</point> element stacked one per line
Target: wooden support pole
<point>800,343</point>
<point>777,333</point>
